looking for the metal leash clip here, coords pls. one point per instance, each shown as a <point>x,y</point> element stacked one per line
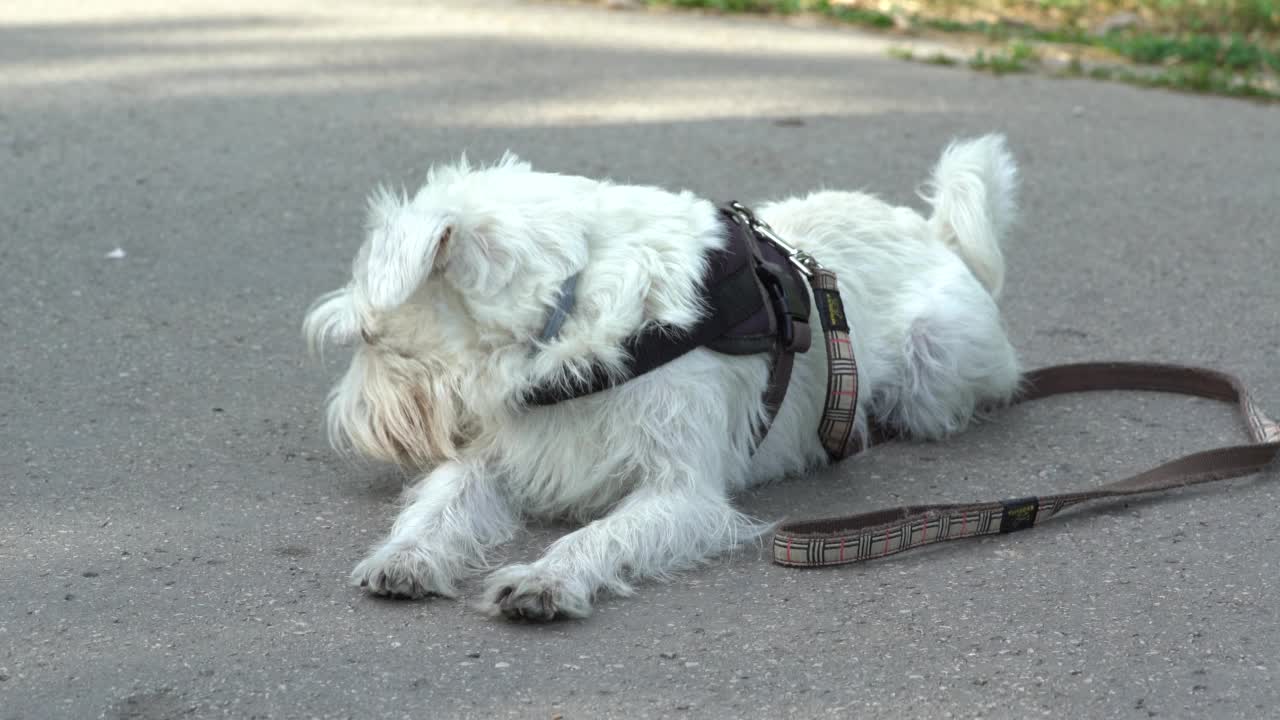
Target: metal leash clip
<point>803,261</point>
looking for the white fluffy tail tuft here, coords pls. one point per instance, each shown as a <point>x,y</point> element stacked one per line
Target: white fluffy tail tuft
<point>973,191</point>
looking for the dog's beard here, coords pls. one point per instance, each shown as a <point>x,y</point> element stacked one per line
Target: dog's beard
<point>399,410</point>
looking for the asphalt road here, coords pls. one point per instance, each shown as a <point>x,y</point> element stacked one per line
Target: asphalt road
<point>175,536</point>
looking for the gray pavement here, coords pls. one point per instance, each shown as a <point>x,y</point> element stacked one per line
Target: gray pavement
<point>175,536</point>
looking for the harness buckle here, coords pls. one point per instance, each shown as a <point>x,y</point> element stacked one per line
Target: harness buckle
<point>803,261</point>
<point>781,311</point>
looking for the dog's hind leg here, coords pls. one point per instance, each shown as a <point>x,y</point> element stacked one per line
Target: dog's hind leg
<point>451,517</point>
<point>953,360</point>
<point>651,534</point>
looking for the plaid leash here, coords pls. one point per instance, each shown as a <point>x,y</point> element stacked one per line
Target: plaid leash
<point>836,541</point>
<point>837,424</point>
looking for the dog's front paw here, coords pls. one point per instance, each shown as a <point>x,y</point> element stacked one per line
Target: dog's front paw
<point>527,592</point>
<point>402,570</point>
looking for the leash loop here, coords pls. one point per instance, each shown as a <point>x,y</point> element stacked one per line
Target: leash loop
<point>872,535</point>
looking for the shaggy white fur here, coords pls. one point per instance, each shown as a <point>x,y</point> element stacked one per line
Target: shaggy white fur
<point>450,292</point>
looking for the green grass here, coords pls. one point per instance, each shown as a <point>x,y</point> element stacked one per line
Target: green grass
<point>856,16</point>
<point>1194,78</point>
<point>843,13</point>
<point>1017,57</point>
<point>936,58</point>
<point>1217,17</point>
<point>1198,78</point>
<point>751,6</point>
<point>1067,17</point>
<point>1226,47</point>
<point>1233,53</point>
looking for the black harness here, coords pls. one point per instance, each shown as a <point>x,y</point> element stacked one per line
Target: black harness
<point>757,301</point>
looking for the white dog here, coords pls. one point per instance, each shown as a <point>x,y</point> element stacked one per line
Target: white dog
<point>453,286</point>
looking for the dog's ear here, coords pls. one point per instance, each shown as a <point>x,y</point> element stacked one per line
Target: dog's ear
<point>476,244</point>
<point>404,248</point>
<point>482,258</point>
<point>490,238</point>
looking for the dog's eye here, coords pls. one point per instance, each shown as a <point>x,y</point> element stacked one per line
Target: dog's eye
<point>368,339</point>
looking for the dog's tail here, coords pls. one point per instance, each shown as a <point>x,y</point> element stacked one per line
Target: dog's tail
<point>973,192</point>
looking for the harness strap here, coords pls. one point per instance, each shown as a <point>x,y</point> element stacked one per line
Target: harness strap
<point>789,325</point>
<point>735,295</point>
<point>841,540</point>
<point>781,362</point>
<point>757,304</point>
<point>565,300</point>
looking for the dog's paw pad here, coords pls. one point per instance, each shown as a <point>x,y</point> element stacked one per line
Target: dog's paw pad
<point>399,572</point>
<point>522,592</point>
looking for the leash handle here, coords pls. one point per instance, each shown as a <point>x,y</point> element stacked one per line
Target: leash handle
<point>873,535</point>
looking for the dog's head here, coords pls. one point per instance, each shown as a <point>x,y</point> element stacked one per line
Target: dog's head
<point>450,282</point>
